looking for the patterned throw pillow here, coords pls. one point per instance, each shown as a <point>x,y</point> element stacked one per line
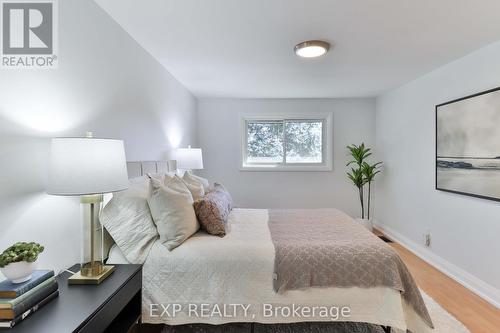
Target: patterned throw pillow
<point>213,211</point>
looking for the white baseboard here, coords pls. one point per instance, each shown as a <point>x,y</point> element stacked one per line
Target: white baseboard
<point>469,281</point>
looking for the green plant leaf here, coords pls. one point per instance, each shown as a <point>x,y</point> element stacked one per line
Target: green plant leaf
<point>20,251</point>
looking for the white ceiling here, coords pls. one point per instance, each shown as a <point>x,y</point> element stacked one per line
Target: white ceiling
<point>244,48</point>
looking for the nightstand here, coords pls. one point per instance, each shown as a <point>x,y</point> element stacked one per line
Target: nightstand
<point>112,306</point>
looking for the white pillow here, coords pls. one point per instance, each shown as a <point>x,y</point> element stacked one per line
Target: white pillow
<point>128,220</point>
<point>171,206</point>
<point>163,176</point>
<point>195,187</point>
<point>189,177</point>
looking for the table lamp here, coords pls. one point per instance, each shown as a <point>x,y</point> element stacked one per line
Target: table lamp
<point>189,158</point>
<point>88,167</point>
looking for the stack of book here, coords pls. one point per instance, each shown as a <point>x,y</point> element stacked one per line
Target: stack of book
<point>19,300</point>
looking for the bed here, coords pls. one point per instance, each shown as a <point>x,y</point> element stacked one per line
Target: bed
<point>239,269</point>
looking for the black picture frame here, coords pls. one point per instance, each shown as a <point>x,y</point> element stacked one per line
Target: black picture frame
<point>489,91</point>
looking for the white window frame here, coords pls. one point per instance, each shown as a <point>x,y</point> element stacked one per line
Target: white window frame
<point>327,144</point>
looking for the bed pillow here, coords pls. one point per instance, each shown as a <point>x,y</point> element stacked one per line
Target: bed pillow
<point>189,177</point>
<point>195,187</point>
<point>128,220</point>
<point>213,211</point>
<point>171,206</point>
<point>162,176</point>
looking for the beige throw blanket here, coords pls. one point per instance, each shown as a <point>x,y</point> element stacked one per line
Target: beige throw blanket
<point>327,248</point>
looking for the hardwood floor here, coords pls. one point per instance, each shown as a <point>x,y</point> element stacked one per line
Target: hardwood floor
<point>475,313</point>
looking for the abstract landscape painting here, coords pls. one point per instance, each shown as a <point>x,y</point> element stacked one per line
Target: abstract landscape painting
<point>468,145</point>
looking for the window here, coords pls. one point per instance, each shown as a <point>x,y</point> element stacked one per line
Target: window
<point>286,143</point>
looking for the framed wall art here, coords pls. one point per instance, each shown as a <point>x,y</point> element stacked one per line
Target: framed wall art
<point>468,145</point>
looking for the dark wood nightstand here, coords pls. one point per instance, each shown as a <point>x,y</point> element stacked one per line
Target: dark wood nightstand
<point>112,306</point>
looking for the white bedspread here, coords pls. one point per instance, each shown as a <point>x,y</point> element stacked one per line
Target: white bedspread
<point>238,269</point>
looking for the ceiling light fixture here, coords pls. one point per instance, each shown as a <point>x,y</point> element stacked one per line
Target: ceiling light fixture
<point>312,48</point>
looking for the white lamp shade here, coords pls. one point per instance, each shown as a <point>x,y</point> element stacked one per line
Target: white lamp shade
<point>84,166</point>
<point>189,158</point>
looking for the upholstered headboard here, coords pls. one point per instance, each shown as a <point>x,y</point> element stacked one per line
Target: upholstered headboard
<point>141,168</point>
<point>137,169</point>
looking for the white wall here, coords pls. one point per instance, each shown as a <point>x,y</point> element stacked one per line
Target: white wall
<point>106,83</point>
<point>219,136</point>
<point>465,231</point>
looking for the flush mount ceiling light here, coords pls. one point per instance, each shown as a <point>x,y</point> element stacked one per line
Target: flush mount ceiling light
<point>311,48</point>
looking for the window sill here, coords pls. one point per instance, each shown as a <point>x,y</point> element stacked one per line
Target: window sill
<point>288,168</point>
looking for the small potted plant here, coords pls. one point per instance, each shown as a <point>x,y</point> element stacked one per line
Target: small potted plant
<point>19,260</point>
<point>361,174</point>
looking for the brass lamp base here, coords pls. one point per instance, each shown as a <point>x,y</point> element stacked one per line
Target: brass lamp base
<point>92,268</point>
<point>79,278</point>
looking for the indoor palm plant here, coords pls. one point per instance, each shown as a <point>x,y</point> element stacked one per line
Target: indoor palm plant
<point>362,173</point>
<point>18,261</point>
